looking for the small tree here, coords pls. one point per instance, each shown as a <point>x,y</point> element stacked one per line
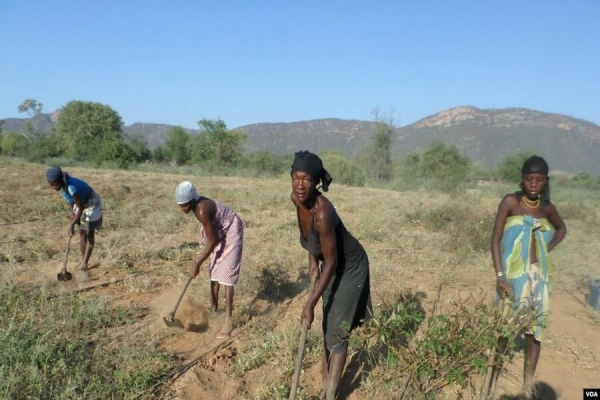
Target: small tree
<point>42,147</point>
<point>116,151</point>
<point>375,157</point>
<point>224,145</point>
<point>176,146</point>
<point>140,146</point>
<point>83,128</point>
<point>199,149</point>
<point>585,179</point>
<point>267,163</point>
<point>158,155</point>
<point>408,165</point>
<point>342,170</point>
<point>510,167</point>
<point>14,144</point>
<point>444,163</point>
<point>33,108</point>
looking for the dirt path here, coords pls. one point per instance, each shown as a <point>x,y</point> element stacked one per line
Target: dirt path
<point>570,357</point>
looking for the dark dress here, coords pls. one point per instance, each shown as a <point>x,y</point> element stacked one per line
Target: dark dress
<point>347,298</point>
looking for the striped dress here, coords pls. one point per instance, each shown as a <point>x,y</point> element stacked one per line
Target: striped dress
<point>530,282</point>
<point>226,258</point>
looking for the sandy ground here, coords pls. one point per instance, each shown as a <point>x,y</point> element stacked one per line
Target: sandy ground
<point>570,358</point>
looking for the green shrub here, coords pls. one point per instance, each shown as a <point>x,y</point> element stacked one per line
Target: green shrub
<point>342,170</point>
<point>444,163</point>
<point>440,167</point>
<point>14,144</point>
<point>267,163</point>
<point>42,148</point>
<point>117,152</point>
<point>510,168</point>
<point>584,180</point>
<point>139,145</point>
<point>423,354</point>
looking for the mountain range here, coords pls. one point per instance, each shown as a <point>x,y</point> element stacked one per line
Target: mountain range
<point>485,136</point>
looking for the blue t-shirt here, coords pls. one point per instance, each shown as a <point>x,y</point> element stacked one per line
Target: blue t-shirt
<point>76,186</point>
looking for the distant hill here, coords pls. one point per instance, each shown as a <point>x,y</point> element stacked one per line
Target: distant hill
<point>485,136</point>
<point>345,136</point>
<point>154,134</point>
<point>43,123</point>
<point>488,136</point>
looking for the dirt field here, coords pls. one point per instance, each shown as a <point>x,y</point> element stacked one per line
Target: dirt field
<point>145,251</point>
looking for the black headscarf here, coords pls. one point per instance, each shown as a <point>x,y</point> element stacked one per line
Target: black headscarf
<point>537,165</point>
<point>55,174</point>
<point>305,161</point>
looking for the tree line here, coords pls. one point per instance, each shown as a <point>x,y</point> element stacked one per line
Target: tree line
<point>90,131</point>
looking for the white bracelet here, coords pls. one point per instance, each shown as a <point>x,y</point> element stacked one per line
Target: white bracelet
<point>499,274</point>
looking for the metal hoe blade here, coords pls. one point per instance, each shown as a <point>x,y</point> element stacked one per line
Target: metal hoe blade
<point>170,318</point>
<point>64,275</point>
<point>172,322</point>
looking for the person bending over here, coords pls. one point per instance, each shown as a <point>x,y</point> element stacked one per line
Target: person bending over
<point>222,232</point>
<point>344,266</point>
<point>85,206</point>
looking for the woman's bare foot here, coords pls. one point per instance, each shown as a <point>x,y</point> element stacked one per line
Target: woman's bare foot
<point>226,329</point>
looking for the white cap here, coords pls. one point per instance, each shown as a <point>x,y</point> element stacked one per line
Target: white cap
<point>185,192</point>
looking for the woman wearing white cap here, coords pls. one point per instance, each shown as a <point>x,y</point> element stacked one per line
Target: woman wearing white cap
<point>223,233</point>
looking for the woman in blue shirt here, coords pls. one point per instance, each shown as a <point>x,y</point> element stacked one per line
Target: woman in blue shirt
<point>86,209</point>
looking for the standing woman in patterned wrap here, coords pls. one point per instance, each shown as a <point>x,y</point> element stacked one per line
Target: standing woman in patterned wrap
<point>344,270</point>
<point>527,228</point>
<point>86,209</point>
<point>223,234</point>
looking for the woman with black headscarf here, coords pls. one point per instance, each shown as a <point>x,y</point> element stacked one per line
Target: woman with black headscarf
<point>527,228</point>
<point>344,270</point>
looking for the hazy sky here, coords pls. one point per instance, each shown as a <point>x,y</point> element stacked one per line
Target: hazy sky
<point>176,62</point>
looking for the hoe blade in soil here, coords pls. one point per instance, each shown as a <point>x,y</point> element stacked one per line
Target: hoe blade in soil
<point>172,322</point>
<point>170,318</point>
<point>64,276</point>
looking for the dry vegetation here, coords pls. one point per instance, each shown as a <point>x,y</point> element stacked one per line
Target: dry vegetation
<point>426,249</point>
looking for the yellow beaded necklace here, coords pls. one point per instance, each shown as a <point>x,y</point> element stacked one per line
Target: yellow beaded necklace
<point>530,203</point>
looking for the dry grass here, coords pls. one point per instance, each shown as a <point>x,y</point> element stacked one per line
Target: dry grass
<point>415,241</point>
